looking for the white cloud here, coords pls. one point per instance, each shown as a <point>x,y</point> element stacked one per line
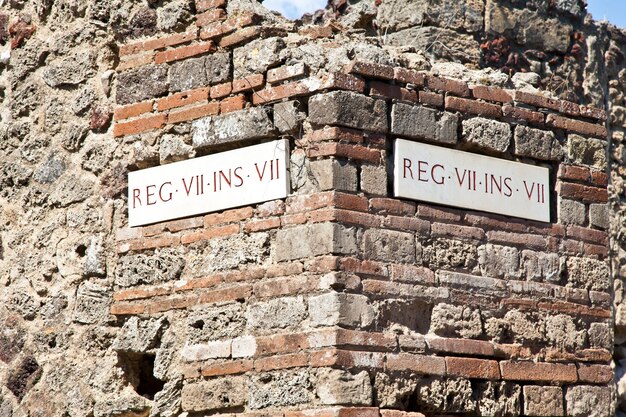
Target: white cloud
<point>294,9</point>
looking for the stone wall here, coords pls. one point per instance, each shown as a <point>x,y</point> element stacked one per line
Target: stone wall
<point>339,300</point>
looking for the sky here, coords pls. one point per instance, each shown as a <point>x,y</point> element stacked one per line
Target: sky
<point>612,10</point>
<point>294,9</point>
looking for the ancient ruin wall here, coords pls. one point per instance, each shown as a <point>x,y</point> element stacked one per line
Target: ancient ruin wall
<point>339,299</point>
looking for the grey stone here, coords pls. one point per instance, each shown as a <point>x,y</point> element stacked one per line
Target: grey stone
<point>92,303</point>
<point>527,27</point>
<point>175,15</point>
<point>456,321</point>
<point>487,134</point>
<point>313,240</point>
<point>288,117</point>
<point>96,155</point>
<point>142,83</point>
<point>25,100</point>
<point>238,126</point>
<point>167,402</point>
<point>438,43</point>
<point>83,101</point>
<point>214,323</point>
<point>571,212</point>
<point>331,174</point>
<point>599,216</point>
<point>227,253</point>
<point>536,143</point>
<point>423,123</point>
<point>127,403</point>
<point>589,401</point>
<point>172,149</point>
<point>49,171</point>
<point>278,389</point>
<point>561,332</point>
<point>73,136</point>
<point>217,66</point>
<point>278,313</point>
<point>389,246</point>
<point>499,399</point>
<point>374,179</point>
<point>28,58</point>
<point>445,395</point>
<point>94,264</point>
<point>340,309</point>
<point>499,261</point>
<point>588,273</point>
<point>257,56</point>
<point>399,14</point>
<point>148,269</point>
<point>540,266</point>
<point>569,6</point>
<point>587,151</point>
<point>524,327</point>
<point>543,401</point>
<point>447,254</point>
<point>70,70</point>
<point>345,108</point>
<point>338,387</point>
<point>600,335</point>
<point>70,190</point>
<point>188,74</point>
<point>139,335</point>
<point>214,394</point>
<point>393,391</point>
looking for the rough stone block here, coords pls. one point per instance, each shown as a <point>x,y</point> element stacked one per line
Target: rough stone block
<point>599,216</point>
<point>453,395</point>
<point>589,401</point>
<point>92,303</point>
<point>332,309</point>
<point>257,56</point>
<point>214,394</point>
<point>254,123</point>
<point>540,266</point>
<point>338,387</point>
<point>455,321</point>
<point>444,44</point>
<point>571,212</point>
<point>313,240</point>
<point>330,174</point>
<point>499,399</point>
<point>536,143</point>
<point>600,336</point>
<point>586,151</point>
<point>524,327</point>
<point>217,67</point>
<point>423,123</point>
<point>345,108</point>
<point>588,273</point>
<point>278,389</point>
<point>374,179</point>
<point>188,74</point>
<point>543,401</point>
<point>142,83</point>
<point>278,313</point>
<point>148,269</point>
<point>139,335</point>
<point>225,321</point>
<point>499,261</point>
<point>487,134</point>
<point>561,332</point>
<point>288,117</point>
<point>389,245</point>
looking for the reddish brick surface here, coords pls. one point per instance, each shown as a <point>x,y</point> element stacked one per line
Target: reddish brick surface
<point>574,173</point>
<point>491,94</point>
<point>537,100</point>
<point>539,372</point>
<point>192,113</point>
<point>370,69</point>
<point>595,374</point>
<point>408,76</point>
<point>251,82</point>
<point>139,125</point>
<point>203,5</point>
<point>160,42</point>
<point>479,108</point>
<point>135,61</point>
<point>240,36</point>
<point>210,16</point>
<point>582,193</point>
<point>183,99</point>
<point>287,72</point>
<point>184,52</point>
<point>532,117</point>
<point>384,90</point>
<point>133,110</point>
<point>221,90</point>
<point>472,368</point>
<point>429,98</point>
<point>461,346</point>
<point>231,104</point>
<point>454,87</point>
<point>576,126</point>
<point>426,365</point>
<point>453,230</point>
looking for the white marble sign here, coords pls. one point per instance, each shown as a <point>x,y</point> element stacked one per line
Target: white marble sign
<point>462,179</point>
<point>210,183</point>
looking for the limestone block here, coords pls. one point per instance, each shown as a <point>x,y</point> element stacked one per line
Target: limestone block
<point>442,43</point>
<point>587,151</point>
<point>257,56</point>
<point>571,212</point>
<point>188,74</point>
<point>345,108</point>
<point>212,323</point>
<point>599,216</point>
<point>139,335</point>
<point>423,123</point>
<point>330,174</point>
<point>142,83</point>
<point>374,179</point>
<point>540,266</point>
<point>214,394</point>
<point>499,399</point>
<point>445,395</point>
<point>389,245</point>
<point>543,401</point>
<point>455,321</point>
<point>487,134</point>
<point>138,269</point>
<point>313,240</point>
<point>536,143</point>
<point>338,387</point>
<point>588,273</point>
<point>278,313</point>
<point>331,309</point>
<point>589,401</point>
<point>279,389</point>
<point>70,70</point>
<point>499,261</point>
<point>237,126</point>
<point>288,117</point>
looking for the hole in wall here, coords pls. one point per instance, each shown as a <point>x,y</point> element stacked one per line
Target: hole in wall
<point>81,250</point>
<point>139,371</point>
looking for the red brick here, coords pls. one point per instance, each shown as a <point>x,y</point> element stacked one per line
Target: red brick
<point>172,40</point>
<point>588,235</point>
<point>472,368</point>
<point>339,134</point>
<point>484,92</point>
<point>128,233</point>
<point>454,87</point>
<point>210,16</point>
<point>228,216</point>
<point>460,346</point>
<point>595,250</point>
<point>350,201</point>
<point>183,224</point>
<point>593,113</point>
<point>281,343</point>
<point>139,293</point>
<point>271,363</point>
<point>135,62</point>
<point>261,225</point>
<point>286,72</point>
<point>231,104</point>
<point>139,125</point>
<point>221,90</point>
<point>346,150</point>
<point>251,82</point>
<point>368,268</point>
<point>280,92</point>
<point>370,69</point>
<point>582,193</point>
<point>408,76</point>
<point>239,292</point>
<point>213,31</point>
<point>299,203</point>
<point>203,5</point>
<point>537,100</point>
<point>284,269</point>
<point>539,372</point>
<point>439,213</point>
<point>398,413</point>
<point>574,173</point>
<point>205,282</point>
<point>392,206</point>
<point>122,309</point>
<point>454,230</point>
<point>285,286</point>
<point>207,234</point>
<point>384,90</point>
<point>240,36</point>
<point>426,365</point>
<point>599,178</point>
<point>133,110</point>
<point>408,223</point>
<point>340,81</point>
<point>183,99</point>
<point>577,126</point>
<point>410,273</point>
<point>574,309</point>
<point>227,368</point>
<point>355,218</point>
<point>248,274</point>
<point>569,108</point>
<point>526,240</point>
<point>184,52</point>
<point>479,108</point>
<point>431,99</point>
<point>595,374</point>
<point>518,113</point>
<point>192,113</point>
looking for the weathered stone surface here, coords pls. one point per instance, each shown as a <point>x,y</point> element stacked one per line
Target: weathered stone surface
<point>288,117</point>
<point>499,399</point>
<point>536,143</point>
<point>423,123</point>
<point>188,74</point>
<point>588,273</point>
<point>587,151</point>
<point>571,212</point>
<point>487,134</point>
<point>440,43</point>
<point>445,395</point>
<point>175,15</point>
<point>539,266</point>
<point>331,174</point>
<point>214,394</point>
<point>448,254</point>
<point>279,313</point>
<point>589,401</point>
<point>524,327</point>
<point>139,336</point>
<point>600,335</point>
<point>71,189</point>
<point>214,323</point>
<point>234,127</point>
<point>499,261</point>
<point>227,253</point>
<point>399,14</point>
<point>345,108</point>
<point>70,70</point>
<point>257,56</point>
<point>218,67</point>
<point>142,83</point>
<point>92,303</point>
<point>126,403</point>
<point>543,401</point>
<point>172,149</point>
<point>599,216</point>
<point>149,269</point>
<point>52,168</point>
<point>315,239</point>
<point>167,402</point>
<point>562,332</point>
<point>389,245</point>
<point>331,309</point>
<point>279,389</point>
<point>374,179</point>
<point>338,387</point>
<point>455,321</point>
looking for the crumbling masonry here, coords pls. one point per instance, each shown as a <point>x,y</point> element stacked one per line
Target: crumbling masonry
<point>339,300</point>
